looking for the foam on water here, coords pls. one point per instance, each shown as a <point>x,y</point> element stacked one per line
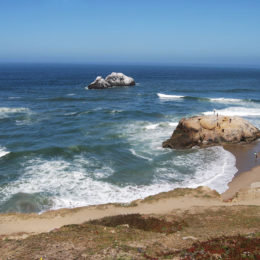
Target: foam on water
<point>140,156</point>
<point>152,126</point>
<point>237,111</point>
<point>164,96</point>
<point>72,184</point>
<point>14,97</point>
<point>226,100</point>
<point>6,112</point>
<point>217,170</point>
<point>3,151</point>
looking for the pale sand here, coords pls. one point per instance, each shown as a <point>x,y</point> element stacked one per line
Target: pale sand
<point>245,180</point>
<point>33,223</point>
<point>248,168</point>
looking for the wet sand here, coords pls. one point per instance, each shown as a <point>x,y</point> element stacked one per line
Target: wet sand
<point>248,174</point>
<point>245,159</point>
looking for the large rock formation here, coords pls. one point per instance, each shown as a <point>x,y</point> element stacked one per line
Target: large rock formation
<point>113,80</point>
<point>119,79</point>
<point>211,130</point>
<point>99,83</point>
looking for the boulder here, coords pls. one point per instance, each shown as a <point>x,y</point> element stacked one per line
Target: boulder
<point>211,130</point>
<point>112,80</point>
<point>119,79</point>
<point>99,83</point>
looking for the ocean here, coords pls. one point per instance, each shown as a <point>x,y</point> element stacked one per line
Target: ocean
<point>63,146</point>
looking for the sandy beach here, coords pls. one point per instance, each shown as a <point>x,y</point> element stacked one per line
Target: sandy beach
<point>189,215</point>
<point>179,199</point>
<point>248,174</point>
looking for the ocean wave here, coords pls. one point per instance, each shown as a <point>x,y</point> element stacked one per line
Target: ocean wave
<point>220,100</point>
<point>73,185</point>
<point>14,97</point>
<point>217,172</point>
<point>67,99</point>
<point>84,180</point>
<point>164,96</point>
<point>3,151</point>
<point>236,111</point>
<point>6,112</point>
<point>140,156</point>
<point>228,100</point>
<point>151,126</point>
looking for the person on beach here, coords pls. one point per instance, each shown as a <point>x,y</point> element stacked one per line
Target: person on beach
<point>214,111</point>
<point>256,155</point>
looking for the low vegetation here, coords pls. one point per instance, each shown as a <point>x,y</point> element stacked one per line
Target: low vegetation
<point>200,233</point>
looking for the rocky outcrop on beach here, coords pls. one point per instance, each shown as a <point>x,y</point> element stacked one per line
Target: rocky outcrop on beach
<point>114,79</point>
<point>211,130</point>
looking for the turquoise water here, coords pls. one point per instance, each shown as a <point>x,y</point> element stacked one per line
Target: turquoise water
<point>64,146</point>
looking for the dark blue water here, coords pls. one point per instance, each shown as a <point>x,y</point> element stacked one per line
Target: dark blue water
<point>64,146</point>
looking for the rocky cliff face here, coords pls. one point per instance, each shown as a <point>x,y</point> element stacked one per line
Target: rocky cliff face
<point>112,80</point>
<point>211,130</point>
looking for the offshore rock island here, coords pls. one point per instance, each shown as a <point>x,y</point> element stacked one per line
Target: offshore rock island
<point>211,130</point>
<point>115,79</point>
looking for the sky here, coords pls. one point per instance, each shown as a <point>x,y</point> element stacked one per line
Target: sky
<point>130,31</point>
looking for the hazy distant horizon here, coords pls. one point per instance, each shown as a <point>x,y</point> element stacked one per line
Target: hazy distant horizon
<point>137,32</point>
<point>154,64</point>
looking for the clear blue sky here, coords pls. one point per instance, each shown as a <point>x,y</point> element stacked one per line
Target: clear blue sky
<point>130,31</point>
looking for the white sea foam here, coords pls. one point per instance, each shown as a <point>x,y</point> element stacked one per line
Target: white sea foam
<point>70,114</point>
<point>71,184</point>
<point>226,100</point>
<point>74,184</point>
<point>83,181</point>
<point>236,111</point>
<point>174,124</point>
<point>115,111</point>
<point>71,94</point>
<point>14,97</point>
<point>164,96</point>
<point>216,172</point>
<point>8,111</point>
<point>140,156</point>
<point>152,126</point>
<point>161,124</point>
<point>3,151</point>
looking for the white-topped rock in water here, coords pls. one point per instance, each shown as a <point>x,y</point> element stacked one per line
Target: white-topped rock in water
<point>211,130</point>
<point>114,79</point>
<point>99,83</point>
<point>120,79</point>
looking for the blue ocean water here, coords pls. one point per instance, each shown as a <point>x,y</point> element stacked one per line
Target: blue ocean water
<point>64,146</point>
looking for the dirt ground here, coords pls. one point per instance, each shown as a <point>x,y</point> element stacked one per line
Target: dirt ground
<point>218,232</point>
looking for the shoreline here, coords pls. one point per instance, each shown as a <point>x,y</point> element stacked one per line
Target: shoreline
<point>246,180</point>
<point>248,168</point>
<point>181,200</point>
